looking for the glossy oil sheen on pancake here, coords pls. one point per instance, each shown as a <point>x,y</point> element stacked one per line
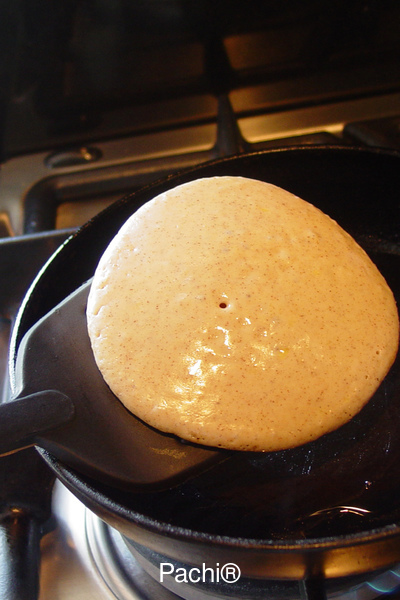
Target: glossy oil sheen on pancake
<point>232,313</point>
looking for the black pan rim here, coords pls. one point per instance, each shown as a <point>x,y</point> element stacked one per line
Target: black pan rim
<point>75,481</point>
<point>184,173</point>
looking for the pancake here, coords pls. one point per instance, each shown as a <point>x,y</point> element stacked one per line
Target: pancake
<point>231,313</point>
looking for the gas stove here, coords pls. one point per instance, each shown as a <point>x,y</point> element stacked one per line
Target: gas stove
<point>79,131</point>
<point>94,561</point>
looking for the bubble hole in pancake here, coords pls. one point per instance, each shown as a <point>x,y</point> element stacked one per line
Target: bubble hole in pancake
<point>234,314</point>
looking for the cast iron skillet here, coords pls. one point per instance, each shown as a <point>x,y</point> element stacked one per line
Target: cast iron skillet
<point>330,507</point>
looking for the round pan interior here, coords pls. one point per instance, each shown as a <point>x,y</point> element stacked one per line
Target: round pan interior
<point>343,488</point>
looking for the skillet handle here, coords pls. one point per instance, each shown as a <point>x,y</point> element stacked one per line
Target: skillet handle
<point>20,536</point>
<point>26,417</point>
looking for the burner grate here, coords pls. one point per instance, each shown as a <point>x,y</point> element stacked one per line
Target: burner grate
<point>132,571</point>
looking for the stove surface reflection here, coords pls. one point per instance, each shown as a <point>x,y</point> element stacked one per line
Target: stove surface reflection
<point>85,559</point>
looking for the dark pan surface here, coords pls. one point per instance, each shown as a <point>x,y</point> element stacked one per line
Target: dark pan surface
<point>347,482</point>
